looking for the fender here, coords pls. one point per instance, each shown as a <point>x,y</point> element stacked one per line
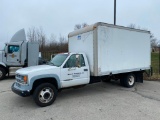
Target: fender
<point>2,64</point>
<point>33,79</point>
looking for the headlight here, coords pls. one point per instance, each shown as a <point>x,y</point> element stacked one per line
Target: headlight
<point>22,78</point>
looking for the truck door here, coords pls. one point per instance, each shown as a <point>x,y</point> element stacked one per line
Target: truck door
<point>75,72</point>
<point>13,55</point>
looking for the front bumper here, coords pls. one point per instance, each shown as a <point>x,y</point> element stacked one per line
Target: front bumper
<point>19,92</point>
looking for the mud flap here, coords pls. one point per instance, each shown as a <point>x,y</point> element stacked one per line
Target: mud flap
<point>139,76</point>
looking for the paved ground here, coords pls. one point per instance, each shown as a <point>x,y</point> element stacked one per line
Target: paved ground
<point>101,101</point>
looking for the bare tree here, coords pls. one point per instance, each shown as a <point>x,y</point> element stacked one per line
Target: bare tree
<point>31,34</point>
<point>84,25</point>
<point>154,42</point>
<point>53,41</point>
<point>37,35</point>
<point>79,26</point>
<point>63,44</point>
<point>47,45</point>
<point>41,38</point>
<point>132,26</point>
<point>135,27</point>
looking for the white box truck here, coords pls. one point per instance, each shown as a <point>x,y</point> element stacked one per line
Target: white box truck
<point>18,53</point>
<point>99,52</point>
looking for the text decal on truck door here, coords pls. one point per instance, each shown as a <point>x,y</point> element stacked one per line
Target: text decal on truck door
<point>76,74</point>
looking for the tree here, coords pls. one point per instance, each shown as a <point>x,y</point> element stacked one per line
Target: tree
<point>79,26</point>
<point>37,35</point>
<point>84,25</point>
<point>32,35</point>
<point>50,45</point>
<point>63,44</point>
<point>154,42</point>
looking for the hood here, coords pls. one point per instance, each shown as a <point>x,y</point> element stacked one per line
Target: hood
<point>33,69</point>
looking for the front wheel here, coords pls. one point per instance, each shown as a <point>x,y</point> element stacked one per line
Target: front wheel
<point>129,80</point>
<point>45,94</point>
<point>2,73</point>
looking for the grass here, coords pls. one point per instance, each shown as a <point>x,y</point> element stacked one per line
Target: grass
<point>155,66</point>
<point>155,62</point>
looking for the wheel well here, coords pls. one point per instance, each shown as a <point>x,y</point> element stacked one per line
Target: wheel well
<point>138,75</point>
<point>44,80</point>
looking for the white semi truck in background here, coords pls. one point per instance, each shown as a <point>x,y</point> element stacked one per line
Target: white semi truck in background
<point>98,52</point>
<point>18,53</point>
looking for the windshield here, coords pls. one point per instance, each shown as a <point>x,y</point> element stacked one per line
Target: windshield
<point>58,59</point>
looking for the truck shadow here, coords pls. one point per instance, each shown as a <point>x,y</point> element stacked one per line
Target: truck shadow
<point>89,90</point>
<point>92,90</point>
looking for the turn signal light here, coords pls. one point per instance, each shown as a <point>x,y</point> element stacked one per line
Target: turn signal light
<point>25,79</point>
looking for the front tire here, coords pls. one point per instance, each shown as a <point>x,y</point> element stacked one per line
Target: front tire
<point>129,80</point>
<point>45,94</point>
<point>2,73</point>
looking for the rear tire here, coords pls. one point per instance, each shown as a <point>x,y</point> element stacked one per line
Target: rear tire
<point>129,80</point>
<point>122,81</point>
<point>2,73</point>
<point>45,94</point>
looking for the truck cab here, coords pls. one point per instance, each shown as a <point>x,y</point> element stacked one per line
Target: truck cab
<point>63,71</point>
<point>18,53</point>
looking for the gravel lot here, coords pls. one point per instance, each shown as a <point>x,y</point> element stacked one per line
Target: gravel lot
<point>101,101</point>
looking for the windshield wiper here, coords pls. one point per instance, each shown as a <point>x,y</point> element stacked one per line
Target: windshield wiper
<point>50,63</point>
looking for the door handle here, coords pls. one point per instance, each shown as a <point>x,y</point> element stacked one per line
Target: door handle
<point>85,69</point>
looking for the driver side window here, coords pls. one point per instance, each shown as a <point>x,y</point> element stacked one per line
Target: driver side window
<point>75,60</point>
<point>71,62</point>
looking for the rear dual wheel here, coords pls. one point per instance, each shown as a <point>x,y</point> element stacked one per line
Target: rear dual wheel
<point>128,80</point>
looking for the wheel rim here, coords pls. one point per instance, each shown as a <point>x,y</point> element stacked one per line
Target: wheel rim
<point>1,74</point>
<point>131,80</point>
<point>46,95</point>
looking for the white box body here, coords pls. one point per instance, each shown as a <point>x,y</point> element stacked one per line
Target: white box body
<point>112,49</point>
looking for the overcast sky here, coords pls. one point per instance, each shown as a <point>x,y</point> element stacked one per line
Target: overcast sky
<point>60,16</point>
